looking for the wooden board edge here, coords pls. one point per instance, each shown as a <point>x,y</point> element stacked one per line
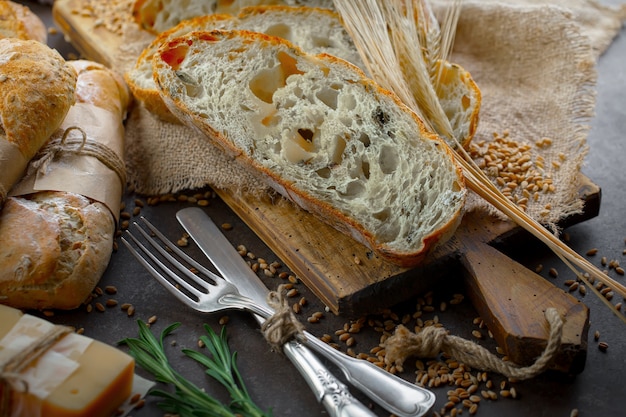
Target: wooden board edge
<point>81,31</point>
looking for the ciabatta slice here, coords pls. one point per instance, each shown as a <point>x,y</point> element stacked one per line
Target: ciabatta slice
<point>157,16</point>
<point>319,132</point>
<point>315,30</point>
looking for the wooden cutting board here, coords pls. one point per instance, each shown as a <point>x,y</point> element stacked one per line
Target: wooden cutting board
<point>351,280</point>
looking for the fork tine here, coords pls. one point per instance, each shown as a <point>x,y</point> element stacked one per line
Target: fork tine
<point>165,269</point>
<point>178,251</point>
<point>175,261</point>
<point>158,276</point>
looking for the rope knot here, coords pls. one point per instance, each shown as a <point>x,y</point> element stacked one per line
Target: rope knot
<point>431,340</point>
<point>10,378</point>
<point>427,343</point>
<point>82,145</point>
<point>283,325</point>
<point>54,148</point>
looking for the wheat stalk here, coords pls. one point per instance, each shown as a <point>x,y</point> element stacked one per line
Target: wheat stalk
<point>400,42</point>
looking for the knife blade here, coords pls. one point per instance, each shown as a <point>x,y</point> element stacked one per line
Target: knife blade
<point>391,392</point>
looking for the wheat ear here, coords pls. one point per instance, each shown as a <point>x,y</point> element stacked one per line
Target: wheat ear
<point>363,20</point>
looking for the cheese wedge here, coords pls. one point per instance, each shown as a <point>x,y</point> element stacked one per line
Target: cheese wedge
<point>75,377</point>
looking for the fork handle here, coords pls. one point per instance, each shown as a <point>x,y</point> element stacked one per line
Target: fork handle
<point>331,392</point>
<point>395,394</point>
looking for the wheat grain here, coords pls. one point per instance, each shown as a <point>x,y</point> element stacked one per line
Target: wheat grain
<point>372,26</point>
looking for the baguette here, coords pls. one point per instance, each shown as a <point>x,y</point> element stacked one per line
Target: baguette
<point>61,242</point>
<point>315,30</point>
<point>156,16</point>
<point>320,133</point>
<point>37,89</point>
<point>18,21</point>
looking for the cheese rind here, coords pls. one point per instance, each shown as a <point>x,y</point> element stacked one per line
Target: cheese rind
<point>76,377</point>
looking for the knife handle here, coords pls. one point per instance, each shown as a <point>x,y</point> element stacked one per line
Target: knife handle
<point>396,395</point>
<point>330,392</point>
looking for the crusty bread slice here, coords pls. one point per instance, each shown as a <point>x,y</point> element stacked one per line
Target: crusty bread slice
<point>313,29</point>
<point>157,16</point>
<point>460,99</point>
<point>319,132</point>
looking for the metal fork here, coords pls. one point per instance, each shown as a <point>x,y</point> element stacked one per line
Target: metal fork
<point>217,294</point>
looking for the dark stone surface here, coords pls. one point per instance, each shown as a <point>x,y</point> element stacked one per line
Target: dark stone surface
<point>272,380</point>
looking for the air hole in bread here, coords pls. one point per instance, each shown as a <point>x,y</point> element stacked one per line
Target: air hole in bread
<point>380,117</point>
<point>340,146</point>
<point>328,96</point>
<point>296,149</point>
<point>382,215</point>
<point>364,139</point>
<point>306,134</point>
<point>365,168</point>
<point>465,102</point>
<point>388,159</point>
<point>192,87</point>
<point>280,31</point>
<point>174,56</point>
<point>323,172</point>
<point>321,42</point>
<point>354,189</point>
<point>267,81</point>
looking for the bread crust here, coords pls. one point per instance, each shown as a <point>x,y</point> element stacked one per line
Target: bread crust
<point>157,16</point>
<point>60,243</point>
<point>168,58</point>
<point>18,21</point>
<point>98,85</point>
<point>299,23</point>
<point>37,90</point>
<point>37,84</point>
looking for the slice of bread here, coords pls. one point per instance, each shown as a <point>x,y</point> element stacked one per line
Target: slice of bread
<point>157,16</point>
<point>313,29</point>
<point>320,133</point>
<point>460,99</point>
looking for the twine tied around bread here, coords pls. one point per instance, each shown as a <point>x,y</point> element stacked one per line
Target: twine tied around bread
<point>431,340</point>
<point>10,378</point>
<point>283,325</point>
<point>78,146</point>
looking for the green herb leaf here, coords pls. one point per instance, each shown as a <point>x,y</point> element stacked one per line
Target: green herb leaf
<point>188,400</point>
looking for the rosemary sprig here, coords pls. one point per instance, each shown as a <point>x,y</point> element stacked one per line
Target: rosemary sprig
<point>187,399</point>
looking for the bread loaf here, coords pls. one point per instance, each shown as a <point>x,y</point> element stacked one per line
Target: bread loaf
<point>315,30</point>
<point>58,243</point>
<point>37,90</point>
<point>319,132</point>
<point>157,16</point>
<point>18,21</point>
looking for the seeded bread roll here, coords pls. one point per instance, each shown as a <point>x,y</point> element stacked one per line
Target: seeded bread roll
<point>156,16</point>
<point>37,89</point>
<point>315,30</point>
<point>60,242</point>
<point>319,132</point>
<point>18,21</point>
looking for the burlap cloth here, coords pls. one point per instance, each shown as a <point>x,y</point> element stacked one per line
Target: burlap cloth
<point>534,61</point>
